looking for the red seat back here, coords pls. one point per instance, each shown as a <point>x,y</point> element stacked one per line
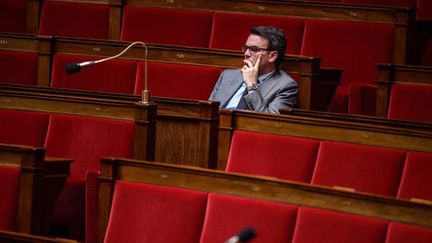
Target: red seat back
<point>13,16</point>
<point>364,168</point>
<point>228,215</point>
<point>166,26</point>
<point>282,157</point>
<point>19,67</point>
<point>73,19</point>
<point>153,213</point>
<point>401,233</point>
<point>9,191</point>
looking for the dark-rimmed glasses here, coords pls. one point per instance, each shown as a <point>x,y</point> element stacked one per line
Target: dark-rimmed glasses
<point>253,49</point>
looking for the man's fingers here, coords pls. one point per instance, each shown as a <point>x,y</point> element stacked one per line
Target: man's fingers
<point>256,66</point>
<point>248,63</point>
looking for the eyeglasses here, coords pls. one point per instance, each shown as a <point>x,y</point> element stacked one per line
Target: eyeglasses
<point>253,49</point>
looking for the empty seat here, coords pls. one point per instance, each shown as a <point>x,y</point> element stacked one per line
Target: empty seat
<point>402,233</point>
<point>410,102</point>
<point>416,178</point>
<point>13,16</point>
<point>153,213</point>
<point>363,168</point>
<point>166,25</point>
<point>230,30</point>
<point>343,45</point>
<point>316,225</point>
<point>19,67</point>
<point>228,215</point>
<point>185,81</point>
<point>9,191</point>
<point>277,156</point>
<point>117,76</point>
<point>15,127</point>
<point>85,140</point>
<point>74,19</point>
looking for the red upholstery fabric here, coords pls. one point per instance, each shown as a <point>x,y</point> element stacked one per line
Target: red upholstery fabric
<point>340,100</point>
<point>344,44</point>
<point>424,10</point>
<point>402,233</point>
<point>316,225</point>
<point>228,215</point>
<point>231,30</point>
<point>16,128</point>
<point>416,179</point>
<point>85,140</point>
<point>185,81</point>
<point>13,16</point>
<point>166,26</point>
<point>393,3</point>
<point>362,99</point>
<point>282,157</point>
<point>152,213</point>
<point>71,19</point>
<point>18,67</point>
<point>410,102</point>
<point>365,168</point>
<point>9,191</point>
<point>117,76</point>
<point>91,202</point>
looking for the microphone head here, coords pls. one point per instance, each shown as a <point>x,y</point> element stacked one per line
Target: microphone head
<point>246,234</point>
<point>73,68</point>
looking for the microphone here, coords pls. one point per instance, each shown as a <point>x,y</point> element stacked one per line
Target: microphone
<point>145,95</point>
<point>245,235</point>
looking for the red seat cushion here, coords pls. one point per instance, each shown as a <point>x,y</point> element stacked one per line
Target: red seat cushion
<point>117,76</point>
<point>184,81</point>
<point>416,180</point>
<point>16,129</point>
<point>317,225</point>
<point>402,233</point>
<point>166,26</point>
<point>237,27</point>
<point>9,191</point>
<point>151,213</point>
<point>19,67</point>
<point>72,19</point>
<point>277,156</point>
<point>411,102</point>
<point>364,168</point>
<point>13,16</point>
<point>228,215</point>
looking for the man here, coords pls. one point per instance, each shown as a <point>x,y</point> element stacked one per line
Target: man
<point>259,85</point>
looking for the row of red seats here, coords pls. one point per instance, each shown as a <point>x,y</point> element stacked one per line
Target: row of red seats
<point>370,169</point>
<point>152,213</point>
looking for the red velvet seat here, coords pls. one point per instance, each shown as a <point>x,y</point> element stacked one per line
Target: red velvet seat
<point>364,168</point>
<point>74,19</point>
<point>354,47</point>
<point>18,67</point>
<point>117,76</point>
<point>277,156</point>
<point>424,10</point>
<point>153,213</point>
<point>230,30</point>
<point>228,215</point>
<point>402,233</point>
<point>85,140</point>
<point>416,179</point>
<point>9,191</point>
<point>166,26</point>
<point>16,129</point>
<point>185,81</point>
<point>13,16</point>
<point>317,225</point>
<point>410,102</point>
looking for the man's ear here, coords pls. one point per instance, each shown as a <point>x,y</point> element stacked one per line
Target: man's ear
<point>273,56</point>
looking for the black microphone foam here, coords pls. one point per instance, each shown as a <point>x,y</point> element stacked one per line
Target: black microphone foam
<point>73,68</point>
<point>246,234</point>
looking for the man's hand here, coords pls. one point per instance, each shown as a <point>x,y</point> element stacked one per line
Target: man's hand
<point>250,71</point>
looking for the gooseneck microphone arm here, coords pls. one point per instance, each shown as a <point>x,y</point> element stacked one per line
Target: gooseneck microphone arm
<point>145,95</point>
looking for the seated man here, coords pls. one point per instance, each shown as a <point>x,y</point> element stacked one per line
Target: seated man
<point>259,85</point>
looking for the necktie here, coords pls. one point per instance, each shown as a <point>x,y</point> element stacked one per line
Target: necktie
<point>242,103</point>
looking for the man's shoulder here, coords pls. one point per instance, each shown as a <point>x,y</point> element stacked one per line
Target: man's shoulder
<point>285,77</point>
<point>231,72</point>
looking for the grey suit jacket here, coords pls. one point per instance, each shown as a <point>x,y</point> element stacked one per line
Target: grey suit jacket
<point>277,91</point>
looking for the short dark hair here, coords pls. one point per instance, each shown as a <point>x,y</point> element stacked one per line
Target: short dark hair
<point>276,40</point>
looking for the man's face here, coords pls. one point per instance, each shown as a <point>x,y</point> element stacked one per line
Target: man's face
<point>256,45</point>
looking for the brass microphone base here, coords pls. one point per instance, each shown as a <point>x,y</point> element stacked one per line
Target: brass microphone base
<point>145,97</point>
